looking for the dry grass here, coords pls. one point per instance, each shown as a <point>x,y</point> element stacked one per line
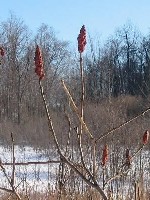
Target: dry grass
<point>100,118</point>
<point>138,194</point>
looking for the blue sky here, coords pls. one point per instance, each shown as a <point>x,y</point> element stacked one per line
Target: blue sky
<point>101,17</point>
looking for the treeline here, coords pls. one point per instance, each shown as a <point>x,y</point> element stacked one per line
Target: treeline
<point>120,66</point>
<point>19,92</point>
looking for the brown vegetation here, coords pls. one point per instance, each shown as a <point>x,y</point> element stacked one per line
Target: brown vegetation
<point>76,124</point>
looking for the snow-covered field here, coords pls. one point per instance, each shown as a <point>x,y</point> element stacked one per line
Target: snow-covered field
<point>43,177</point>
<point>33,177</point>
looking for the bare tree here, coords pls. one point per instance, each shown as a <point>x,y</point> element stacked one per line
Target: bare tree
<point>57,59</point>
<point>15,38</point>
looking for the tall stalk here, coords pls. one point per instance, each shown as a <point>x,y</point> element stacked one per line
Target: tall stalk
<point>87,179</point>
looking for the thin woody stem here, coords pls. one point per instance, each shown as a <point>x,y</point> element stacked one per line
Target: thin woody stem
<point>13,159</point>
<point>138,151</point>
<point>5,174</point>
<point>82,91</point>
<point>50,123</point>
<point>81,154</point>
<point>79,134</point>
<point>11,193</point>
<point>32,163</point>
<point>13,189</point>
<point>69,131</point>
<point>125,172</point>
<point>63,158</point>
<point>121,125</point>
<point>74,107</point>
<point>94,157</point>
<point>116,176</point>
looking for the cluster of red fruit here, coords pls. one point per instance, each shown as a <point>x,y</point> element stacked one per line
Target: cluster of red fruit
<point>105,155</point>
<point>128,156</point>
<point>82,39</point>
<point>2,51</point>
<point>39,70</point>
<point>145,137</point>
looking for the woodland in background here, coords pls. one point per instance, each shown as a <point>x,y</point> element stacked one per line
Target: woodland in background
<point>117,81</point>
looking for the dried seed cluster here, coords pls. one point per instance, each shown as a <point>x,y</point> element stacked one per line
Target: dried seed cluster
<point>39,69</point>
<point>82,39</point>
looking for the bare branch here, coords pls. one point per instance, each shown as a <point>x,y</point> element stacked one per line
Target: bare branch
<point>121,125</point>
<point>76,109</point>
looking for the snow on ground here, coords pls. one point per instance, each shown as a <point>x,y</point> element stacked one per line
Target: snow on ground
<point>43,177</point>
<point>37,177</point>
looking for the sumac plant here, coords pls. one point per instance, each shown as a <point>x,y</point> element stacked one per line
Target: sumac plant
<point>80,166</point>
